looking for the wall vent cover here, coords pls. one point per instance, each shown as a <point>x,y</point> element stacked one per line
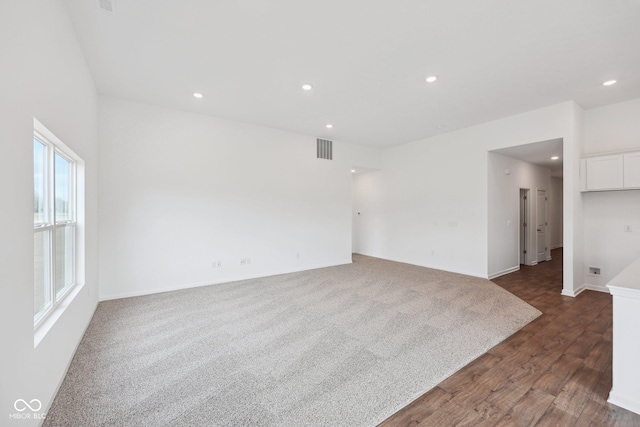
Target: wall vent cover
<point>324,149</point>
<point>107,5</point>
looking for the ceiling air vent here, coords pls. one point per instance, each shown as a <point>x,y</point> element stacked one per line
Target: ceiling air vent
<point>324,149</point>
<point>107,5</point>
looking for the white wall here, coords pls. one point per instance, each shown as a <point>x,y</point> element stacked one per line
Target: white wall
<point>612,128</point>
<point>607,245</point>
<point>181,190</point>
<point>504,211</point>
<point>555,212</point>
<point>44,75</point>
<point>433,209</point>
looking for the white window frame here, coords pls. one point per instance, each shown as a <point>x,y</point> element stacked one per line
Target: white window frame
<point>45,318</point>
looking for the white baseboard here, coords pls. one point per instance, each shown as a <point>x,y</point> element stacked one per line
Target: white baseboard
<point>213,282</point>
<point>505,271</point>
<point>585,287</point>
<point>624,402</point>
<point>573,293</point>
<point>597,288</point>
<point>433,267</point>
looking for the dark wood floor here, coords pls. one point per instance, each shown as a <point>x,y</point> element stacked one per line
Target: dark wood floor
<point>556,371</point>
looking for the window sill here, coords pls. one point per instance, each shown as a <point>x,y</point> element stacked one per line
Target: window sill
<point>47,323</point>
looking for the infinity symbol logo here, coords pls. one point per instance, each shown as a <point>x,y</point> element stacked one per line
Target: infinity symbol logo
<point>21,403</point>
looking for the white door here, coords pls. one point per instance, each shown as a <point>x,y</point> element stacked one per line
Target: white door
<point>524,218</point>
<point>541,225</point>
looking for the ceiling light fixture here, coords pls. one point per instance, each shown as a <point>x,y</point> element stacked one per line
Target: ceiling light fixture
<point>353,171</point>
<point>329,126</point>
<point>555,158</point>
<point>431,79</point>
<point>609,82</point>
<point>198,95</point>
<point>307,86</point>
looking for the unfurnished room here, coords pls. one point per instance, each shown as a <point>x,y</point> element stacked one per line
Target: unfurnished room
<point>336,213</point>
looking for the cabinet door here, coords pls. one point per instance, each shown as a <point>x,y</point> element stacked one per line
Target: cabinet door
<point>605,172</point>
<point>632,170</point>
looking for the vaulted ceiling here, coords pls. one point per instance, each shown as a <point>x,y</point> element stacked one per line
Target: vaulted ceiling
<point>367,61</point>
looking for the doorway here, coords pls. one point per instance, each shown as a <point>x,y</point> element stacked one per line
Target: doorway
<point>515,173</point>
<point>524,219</point>
<point>541,226</point>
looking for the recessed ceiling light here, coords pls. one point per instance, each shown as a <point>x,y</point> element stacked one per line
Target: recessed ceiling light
<point>431,79</point>
<point>329,126</point>
<point>555,158</point>
<point>609,82</point>
<point>307,86</point>
<point>198,95</point>
<point>353,171</point>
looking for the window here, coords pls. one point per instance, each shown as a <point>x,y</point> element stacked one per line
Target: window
<point>55,221</point>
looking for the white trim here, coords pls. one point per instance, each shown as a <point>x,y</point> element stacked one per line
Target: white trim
<point>505,271</point>
<point>59,301</point>
<point>597,288</point>
<point>48,135</point>
<point>213,282</point>
<point>463,272</point>
<point>574,293</point>
<point>623,292</point>
<point>547,236</point>
<point>50,318</point>
<point>524,205</point>
<point>624,402</point>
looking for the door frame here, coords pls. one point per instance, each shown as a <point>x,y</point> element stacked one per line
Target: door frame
<point>547,251</point>
<point>524,226</point>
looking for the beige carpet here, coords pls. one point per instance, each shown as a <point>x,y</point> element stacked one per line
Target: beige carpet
<point>339,346</point>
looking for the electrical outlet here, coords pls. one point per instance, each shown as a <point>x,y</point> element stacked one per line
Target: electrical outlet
<point>216,264</point>
<point>298,255</point>
<point>628,228</point>
<point>245,261</point>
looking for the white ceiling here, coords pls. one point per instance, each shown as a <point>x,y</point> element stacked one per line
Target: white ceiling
<point>367,60</point>
<point>538,153</point>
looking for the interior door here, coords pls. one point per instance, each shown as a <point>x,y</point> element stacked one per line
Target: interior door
<point>541,225</point>
<point>524,218</point>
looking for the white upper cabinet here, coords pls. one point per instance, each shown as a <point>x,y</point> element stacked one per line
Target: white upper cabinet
<point>604,172</point>
<point>632,170</point>
<point>618,171</point>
